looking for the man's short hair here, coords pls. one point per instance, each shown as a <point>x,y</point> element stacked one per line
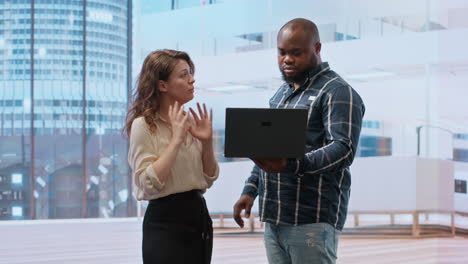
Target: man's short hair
<point>305,25</point>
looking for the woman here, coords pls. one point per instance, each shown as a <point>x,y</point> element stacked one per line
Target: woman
<point>172,158</point>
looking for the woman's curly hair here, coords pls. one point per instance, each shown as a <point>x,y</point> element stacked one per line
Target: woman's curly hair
<point>158,65</point>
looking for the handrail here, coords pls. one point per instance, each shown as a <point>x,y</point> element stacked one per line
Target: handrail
<point>415,229</point>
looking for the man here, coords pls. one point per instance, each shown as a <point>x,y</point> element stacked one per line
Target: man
<point>304,201</point>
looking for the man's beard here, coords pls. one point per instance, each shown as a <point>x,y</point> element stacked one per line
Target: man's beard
<point>298,78</point>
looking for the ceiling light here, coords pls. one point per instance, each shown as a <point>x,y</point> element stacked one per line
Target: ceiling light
<point>369,75</point>
<point>230,88</point>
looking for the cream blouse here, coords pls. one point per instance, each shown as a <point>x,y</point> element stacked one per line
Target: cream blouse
<point>145,148</point>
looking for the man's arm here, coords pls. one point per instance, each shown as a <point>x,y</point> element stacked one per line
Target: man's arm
<point>342,115</point>
<point>251,184</point>
<point>247,198</point>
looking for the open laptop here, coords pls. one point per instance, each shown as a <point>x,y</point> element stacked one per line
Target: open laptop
<point>265,132</point>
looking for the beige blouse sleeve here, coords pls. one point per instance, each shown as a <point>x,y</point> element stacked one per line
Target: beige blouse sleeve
<point>141,156</point>
<point>210,179</point>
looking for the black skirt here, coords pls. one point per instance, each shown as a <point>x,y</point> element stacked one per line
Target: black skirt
<point>178,229</point>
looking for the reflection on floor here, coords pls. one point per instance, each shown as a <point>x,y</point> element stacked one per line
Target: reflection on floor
<point>119,241</point>
<point>360,251</point>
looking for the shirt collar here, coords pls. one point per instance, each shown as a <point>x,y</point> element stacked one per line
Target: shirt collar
<point>316,70</point>
<point>313,72</point>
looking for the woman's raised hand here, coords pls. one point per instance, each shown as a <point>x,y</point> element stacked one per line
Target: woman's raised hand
<point>203,127</point>
<point>179,122</point>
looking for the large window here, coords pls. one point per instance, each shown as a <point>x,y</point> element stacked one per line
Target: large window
<point>62,109</point>
<point>66,70</point>
<point>411,89</point>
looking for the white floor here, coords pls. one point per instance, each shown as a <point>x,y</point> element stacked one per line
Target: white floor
<point>119,241</point>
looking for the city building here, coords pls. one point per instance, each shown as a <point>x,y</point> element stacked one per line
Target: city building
<point>64,80</point>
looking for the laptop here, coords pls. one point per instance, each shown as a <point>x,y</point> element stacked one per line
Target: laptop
<point>265,133</point>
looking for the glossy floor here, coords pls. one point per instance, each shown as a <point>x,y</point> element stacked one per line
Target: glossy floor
<point>119,241</point>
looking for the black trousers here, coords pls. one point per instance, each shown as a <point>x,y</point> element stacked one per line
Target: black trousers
<point>178,229</point>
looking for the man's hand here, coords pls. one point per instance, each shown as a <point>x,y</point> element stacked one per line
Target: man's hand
<point>271,165</point>
<point>245,202</point>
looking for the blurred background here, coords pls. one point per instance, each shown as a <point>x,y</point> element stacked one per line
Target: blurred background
<point>68,67</point>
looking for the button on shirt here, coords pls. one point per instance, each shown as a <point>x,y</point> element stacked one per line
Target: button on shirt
<point>316,187</point>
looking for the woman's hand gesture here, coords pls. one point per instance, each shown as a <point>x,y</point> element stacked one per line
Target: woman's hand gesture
<point>179,122</point>
<point>203,127</point>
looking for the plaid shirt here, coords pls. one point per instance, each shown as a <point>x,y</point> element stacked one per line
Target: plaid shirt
<point>315,188</point>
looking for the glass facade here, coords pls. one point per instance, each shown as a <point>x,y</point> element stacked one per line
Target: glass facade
<point>64,80</point>
<point>65,76</point>
<point>380,48</point>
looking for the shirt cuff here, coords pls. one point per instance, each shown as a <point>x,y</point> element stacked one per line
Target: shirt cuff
<point>250,189</point>
<point>153,177</point>
<point>211,179</point>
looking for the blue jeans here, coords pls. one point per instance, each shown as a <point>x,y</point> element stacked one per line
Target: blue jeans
<point>310,243</point>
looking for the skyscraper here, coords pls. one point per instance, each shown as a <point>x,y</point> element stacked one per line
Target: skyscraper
<point>64,81</point>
